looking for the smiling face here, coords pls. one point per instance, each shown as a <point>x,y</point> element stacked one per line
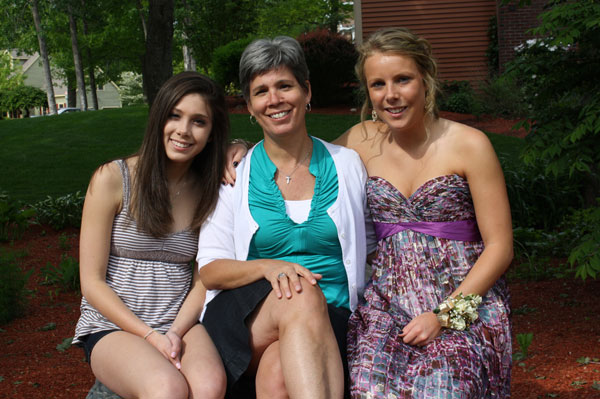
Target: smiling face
<point>187,129</point>
<point>396,90</point>
<point>278,102</point>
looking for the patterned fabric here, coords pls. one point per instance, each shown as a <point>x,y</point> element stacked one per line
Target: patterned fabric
<point>152,276</point>
<point>412,273</point>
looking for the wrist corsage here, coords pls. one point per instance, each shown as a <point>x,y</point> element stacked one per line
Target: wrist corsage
<point>459,312</point>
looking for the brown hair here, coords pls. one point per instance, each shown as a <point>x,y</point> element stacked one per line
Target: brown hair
<point>403,42</point>
<point>150,202</point>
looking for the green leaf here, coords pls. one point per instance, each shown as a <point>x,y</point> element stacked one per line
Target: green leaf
<point>48,327</point>
<point>64,345</point>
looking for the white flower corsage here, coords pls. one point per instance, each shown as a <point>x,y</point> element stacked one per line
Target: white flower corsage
<point>459,312</point>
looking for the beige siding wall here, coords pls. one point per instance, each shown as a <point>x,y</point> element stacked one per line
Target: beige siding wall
<point>456,29</point>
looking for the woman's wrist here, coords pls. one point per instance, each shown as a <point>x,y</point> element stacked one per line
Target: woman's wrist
<point>149,333</point>
<point>458,312</point>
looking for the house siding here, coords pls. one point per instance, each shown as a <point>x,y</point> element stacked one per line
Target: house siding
<point>457,30</point>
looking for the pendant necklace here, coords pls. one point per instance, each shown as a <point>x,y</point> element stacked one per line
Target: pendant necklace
<point>180,188</point>
<point>288,178</point>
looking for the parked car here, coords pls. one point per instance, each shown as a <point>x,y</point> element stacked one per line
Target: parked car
<point>67,109</point>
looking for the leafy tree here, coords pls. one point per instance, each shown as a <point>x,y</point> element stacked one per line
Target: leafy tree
<point>10,74</point>
<point>560,82</point>
<point>213,23</point>
<point>293,17</point>
<point>21,99</point>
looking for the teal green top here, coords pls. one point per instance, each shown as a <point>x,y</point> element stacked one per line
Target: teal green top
<point>314,243</point>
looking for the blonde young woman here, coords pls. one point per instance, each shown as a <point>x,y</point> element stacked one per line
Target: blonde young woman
<point>438,201</point>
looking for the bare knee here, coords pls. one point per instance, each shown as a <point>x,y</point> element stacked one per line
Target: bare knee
<point>208,385</point>
<point>306,307</point>
<point>271,385</point>
<point>166,385</point>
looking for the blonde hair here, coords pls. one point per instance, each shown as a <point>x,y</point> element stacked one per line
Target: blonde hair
<point>403,42</point>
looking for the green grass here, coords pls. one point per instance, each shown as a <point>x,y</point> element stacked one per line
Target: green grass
<point>56,155</point>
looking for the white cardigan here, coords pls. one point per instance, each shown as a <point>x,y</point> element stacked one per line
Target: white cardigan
<point>227,233</point>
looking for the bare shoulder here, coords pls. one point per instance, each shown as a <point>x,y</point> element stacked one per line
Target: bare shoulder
<point>465,140</point>
<point>361,136</point>
<point>107,181</point>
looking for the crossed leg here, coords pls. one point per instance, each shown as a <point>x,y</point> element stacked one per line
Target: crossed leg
<point>308,351</point>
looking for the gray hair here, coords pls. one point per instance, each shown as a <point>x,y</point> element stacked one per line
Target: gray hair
<point>264,55</point>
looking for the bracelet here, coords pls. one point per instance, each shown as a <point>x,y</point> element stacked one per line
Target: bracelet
<point>243,142</point>
<point>148,334</point>
<point>458,313</point>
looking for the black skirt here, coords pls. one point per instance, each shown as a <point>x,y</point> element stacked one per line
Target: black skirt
<point>225,320</point>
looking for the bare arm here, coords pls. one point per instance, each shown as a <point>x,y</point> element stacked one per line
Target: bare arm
<point>219,268</point>
<point>486,182</point>
<point>102,202</point>
<point>488,189</point>
<point>187,317</point>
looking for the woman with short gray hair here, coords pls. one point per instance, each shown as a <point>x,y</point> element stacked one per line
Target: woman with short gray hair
<point>287,244</point>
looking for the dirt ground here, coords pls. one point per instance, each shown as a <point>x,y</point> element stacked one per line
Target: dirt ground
<point>563,315</point>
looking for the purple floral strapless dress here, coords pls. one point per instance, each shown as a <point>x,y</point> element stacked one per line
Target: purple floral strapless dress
<point>413,272</point>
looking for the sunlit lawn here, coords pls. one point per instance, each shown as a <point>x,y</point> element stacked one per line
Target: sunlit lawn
<point>56,155</point>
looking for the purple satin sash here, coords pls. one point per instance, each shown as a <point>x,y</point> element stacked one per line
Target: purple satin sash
<point>461,230</point>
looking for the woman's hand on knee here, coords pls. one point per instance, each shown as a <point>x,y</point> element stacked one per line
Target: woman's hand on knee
<point>421,330</point>
<point>164,345</point>
<point>175,355</point>
<point>284,275</point>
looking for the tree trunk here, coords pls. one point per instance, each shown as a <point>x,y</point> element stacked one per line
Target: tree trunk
<point>71,90</point>
<point>140,9</point>
<point>158,60</point>
<point>77,61</point>
<point>334,15</point>
<point>90,61</point>
<point>189,63</point>
<point>44,55</point>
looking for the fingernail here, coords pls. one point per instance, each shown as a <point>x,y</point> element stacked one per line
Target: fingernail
<point>178,365</point>
<point>235,164</point>
<point>173,354</point>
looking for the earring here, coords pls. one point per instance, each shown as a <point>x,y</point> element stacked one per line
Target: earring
<point>308,107</point>
<point>374,116</point>
<point>252,120</point>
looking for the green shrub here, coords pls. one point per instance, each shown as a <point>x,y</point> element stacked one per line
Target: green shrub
<point>14,219</point>
<point>66,274</point>
<point>563,116</point>
<point>536,199</point>
<point>330,58</point>
<point>585,242</point>
<point>226,62</point>
<point>501,97</point>
<point>458,96</point>
<point>524,341</point>
<point>60,212</point>
<point>13,294</point>
<point>538,254</point>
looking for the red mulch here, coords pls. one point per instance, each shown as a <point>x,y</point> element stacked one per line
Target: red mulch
<point>562,314</point>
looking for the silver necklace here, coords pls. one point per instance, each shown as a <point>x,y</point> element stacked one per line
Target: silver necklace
<point>288,178</point>
<point>180,188</point>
